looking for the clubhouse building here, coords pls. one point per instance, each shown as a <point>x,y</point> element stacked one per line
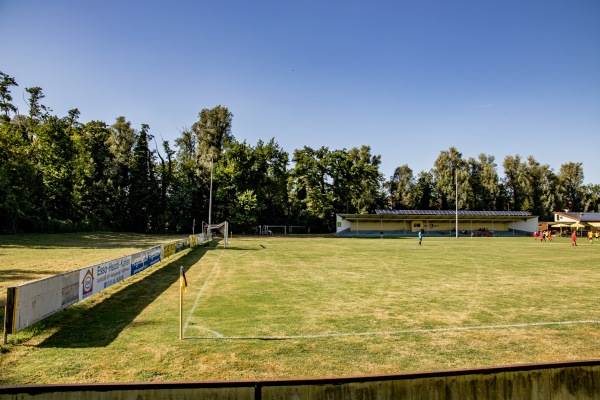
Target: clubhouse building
<point>589,221</point>
<point>391,223</point>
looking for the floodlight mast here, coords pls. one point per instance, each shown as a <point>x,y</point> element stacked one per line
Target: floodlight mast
<point>210,195</point>
<point>456,201</point>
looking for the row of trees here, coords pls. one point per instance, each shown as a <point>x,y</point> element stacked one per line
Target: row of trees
<point>527,185</point>
<point>60,174</point>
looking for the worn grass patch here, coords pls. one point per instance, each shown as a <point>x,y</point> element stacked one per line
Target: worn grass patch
<point>290,307</point>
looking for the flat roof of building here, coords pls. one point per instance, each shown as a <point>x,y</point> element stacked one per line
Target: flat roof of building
<point>440,215</point>
<point>581,216</point>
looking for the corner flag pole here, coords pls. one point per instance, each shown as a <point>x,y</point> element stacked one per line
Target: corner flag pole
<point>182,288</point>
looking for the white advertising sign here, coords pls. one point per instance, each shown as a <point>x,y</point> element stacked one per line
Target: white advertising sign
<point>100,276</point>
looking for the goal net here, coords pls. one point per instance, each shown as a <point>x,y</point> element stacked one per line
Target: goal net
<point>220,230</point>
<point>299,229</point>
<point>275,230</point>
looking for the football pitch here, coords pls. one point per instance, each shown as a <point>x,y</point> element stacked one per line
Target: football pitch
<point>299,307</point>
<point>308,289</point>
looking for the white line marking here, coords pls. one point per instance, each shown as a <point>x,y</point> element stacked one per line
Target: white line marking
<point>212,271</point>
<point>217,334</point>
<point>395,332</point>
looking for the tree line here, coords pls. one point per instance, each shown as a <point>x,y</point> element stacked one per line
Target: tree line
<point>60,174</point>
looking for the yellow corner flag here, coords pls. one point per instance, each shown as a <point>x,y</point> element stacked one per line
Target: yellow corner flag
<point>182,289</point>
<point>182,279</point>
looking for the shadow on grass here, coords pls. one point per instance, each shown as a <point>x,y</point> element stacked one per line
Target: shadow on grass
<point>24,275</point>
<point>90,240</point>
<point>100,325</point>
<point>230,248</point>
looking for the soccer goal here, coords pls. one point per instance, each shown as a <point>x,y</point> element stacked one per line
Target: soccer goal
<point>299,229</point>
<point>220,229</point>
<point>275,229</point>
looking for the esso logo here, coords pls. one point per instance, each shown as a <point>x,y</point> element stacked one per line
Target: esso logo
<point>87,283</point>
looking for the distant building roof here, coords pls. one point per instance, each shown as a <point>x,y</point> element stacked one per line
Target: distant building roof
<point>440,215</point>
<point>581,216</point>
<point>460,213</point>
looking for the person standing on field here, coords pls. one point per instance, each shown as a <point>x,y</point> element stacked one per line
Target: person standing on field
<point>574,238</point>
<point>420,236</point>
<point>590,237</point>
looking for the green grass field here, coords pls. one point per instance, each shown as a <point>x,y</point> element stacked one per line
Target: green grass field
<point>300,307</point>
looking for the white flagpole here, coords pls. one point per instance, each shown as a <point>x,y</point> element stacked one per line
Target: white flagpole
<point>180,311</point>
<point>180,304</point>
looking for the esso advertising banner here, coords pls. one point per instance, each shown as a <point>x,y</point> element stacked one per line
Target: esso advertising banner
<point>100,276</point>
<point>144,259</point>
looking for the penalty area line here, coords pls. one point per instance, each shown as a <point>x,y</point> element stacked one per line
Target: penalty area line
<point>213,271</point>
<point>219,336</point>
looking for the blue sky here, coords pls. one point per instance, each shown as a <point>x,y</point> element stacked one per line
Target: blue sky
<point>408,78</point>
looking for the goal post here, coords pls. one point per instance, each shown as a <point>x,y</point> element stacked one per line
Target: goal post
<point>299,229</point>
<point>221,228</point>
<point>270,229</point>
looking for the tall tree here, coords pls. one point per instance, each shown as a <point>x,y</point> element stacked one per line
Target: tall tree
<point>424,192</point>
<point>309,187</point>
<point>449,168</point>
<point>19,182</point>
<point>551,199</point>
<point>366,180</point>
<point>55,153</point>
<point>539,184</point>
<point>142,185</point>
<point>190,190</point>
<point>235,184</point>
<point>324,182</point>
<point>167,181</point>
<point>532,183</point>
<point>251,185</point>
<point>36,110</point>
<point>212,137</point>
<point>6,105</point>
<point>272,166</point>
<point>213,134</point>
<point>402,188</point>
<point>570,179</point>
<point>483,179</point>
<point>339,180</point>
<point>121,141</point>
<point>514,182</point>
<point>93,174</point>
<point>592,197</point>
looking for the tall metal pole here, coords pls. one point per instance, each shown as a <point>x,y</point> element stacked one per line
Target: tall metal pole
<point>456,184</point>
<point>210,195</point>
